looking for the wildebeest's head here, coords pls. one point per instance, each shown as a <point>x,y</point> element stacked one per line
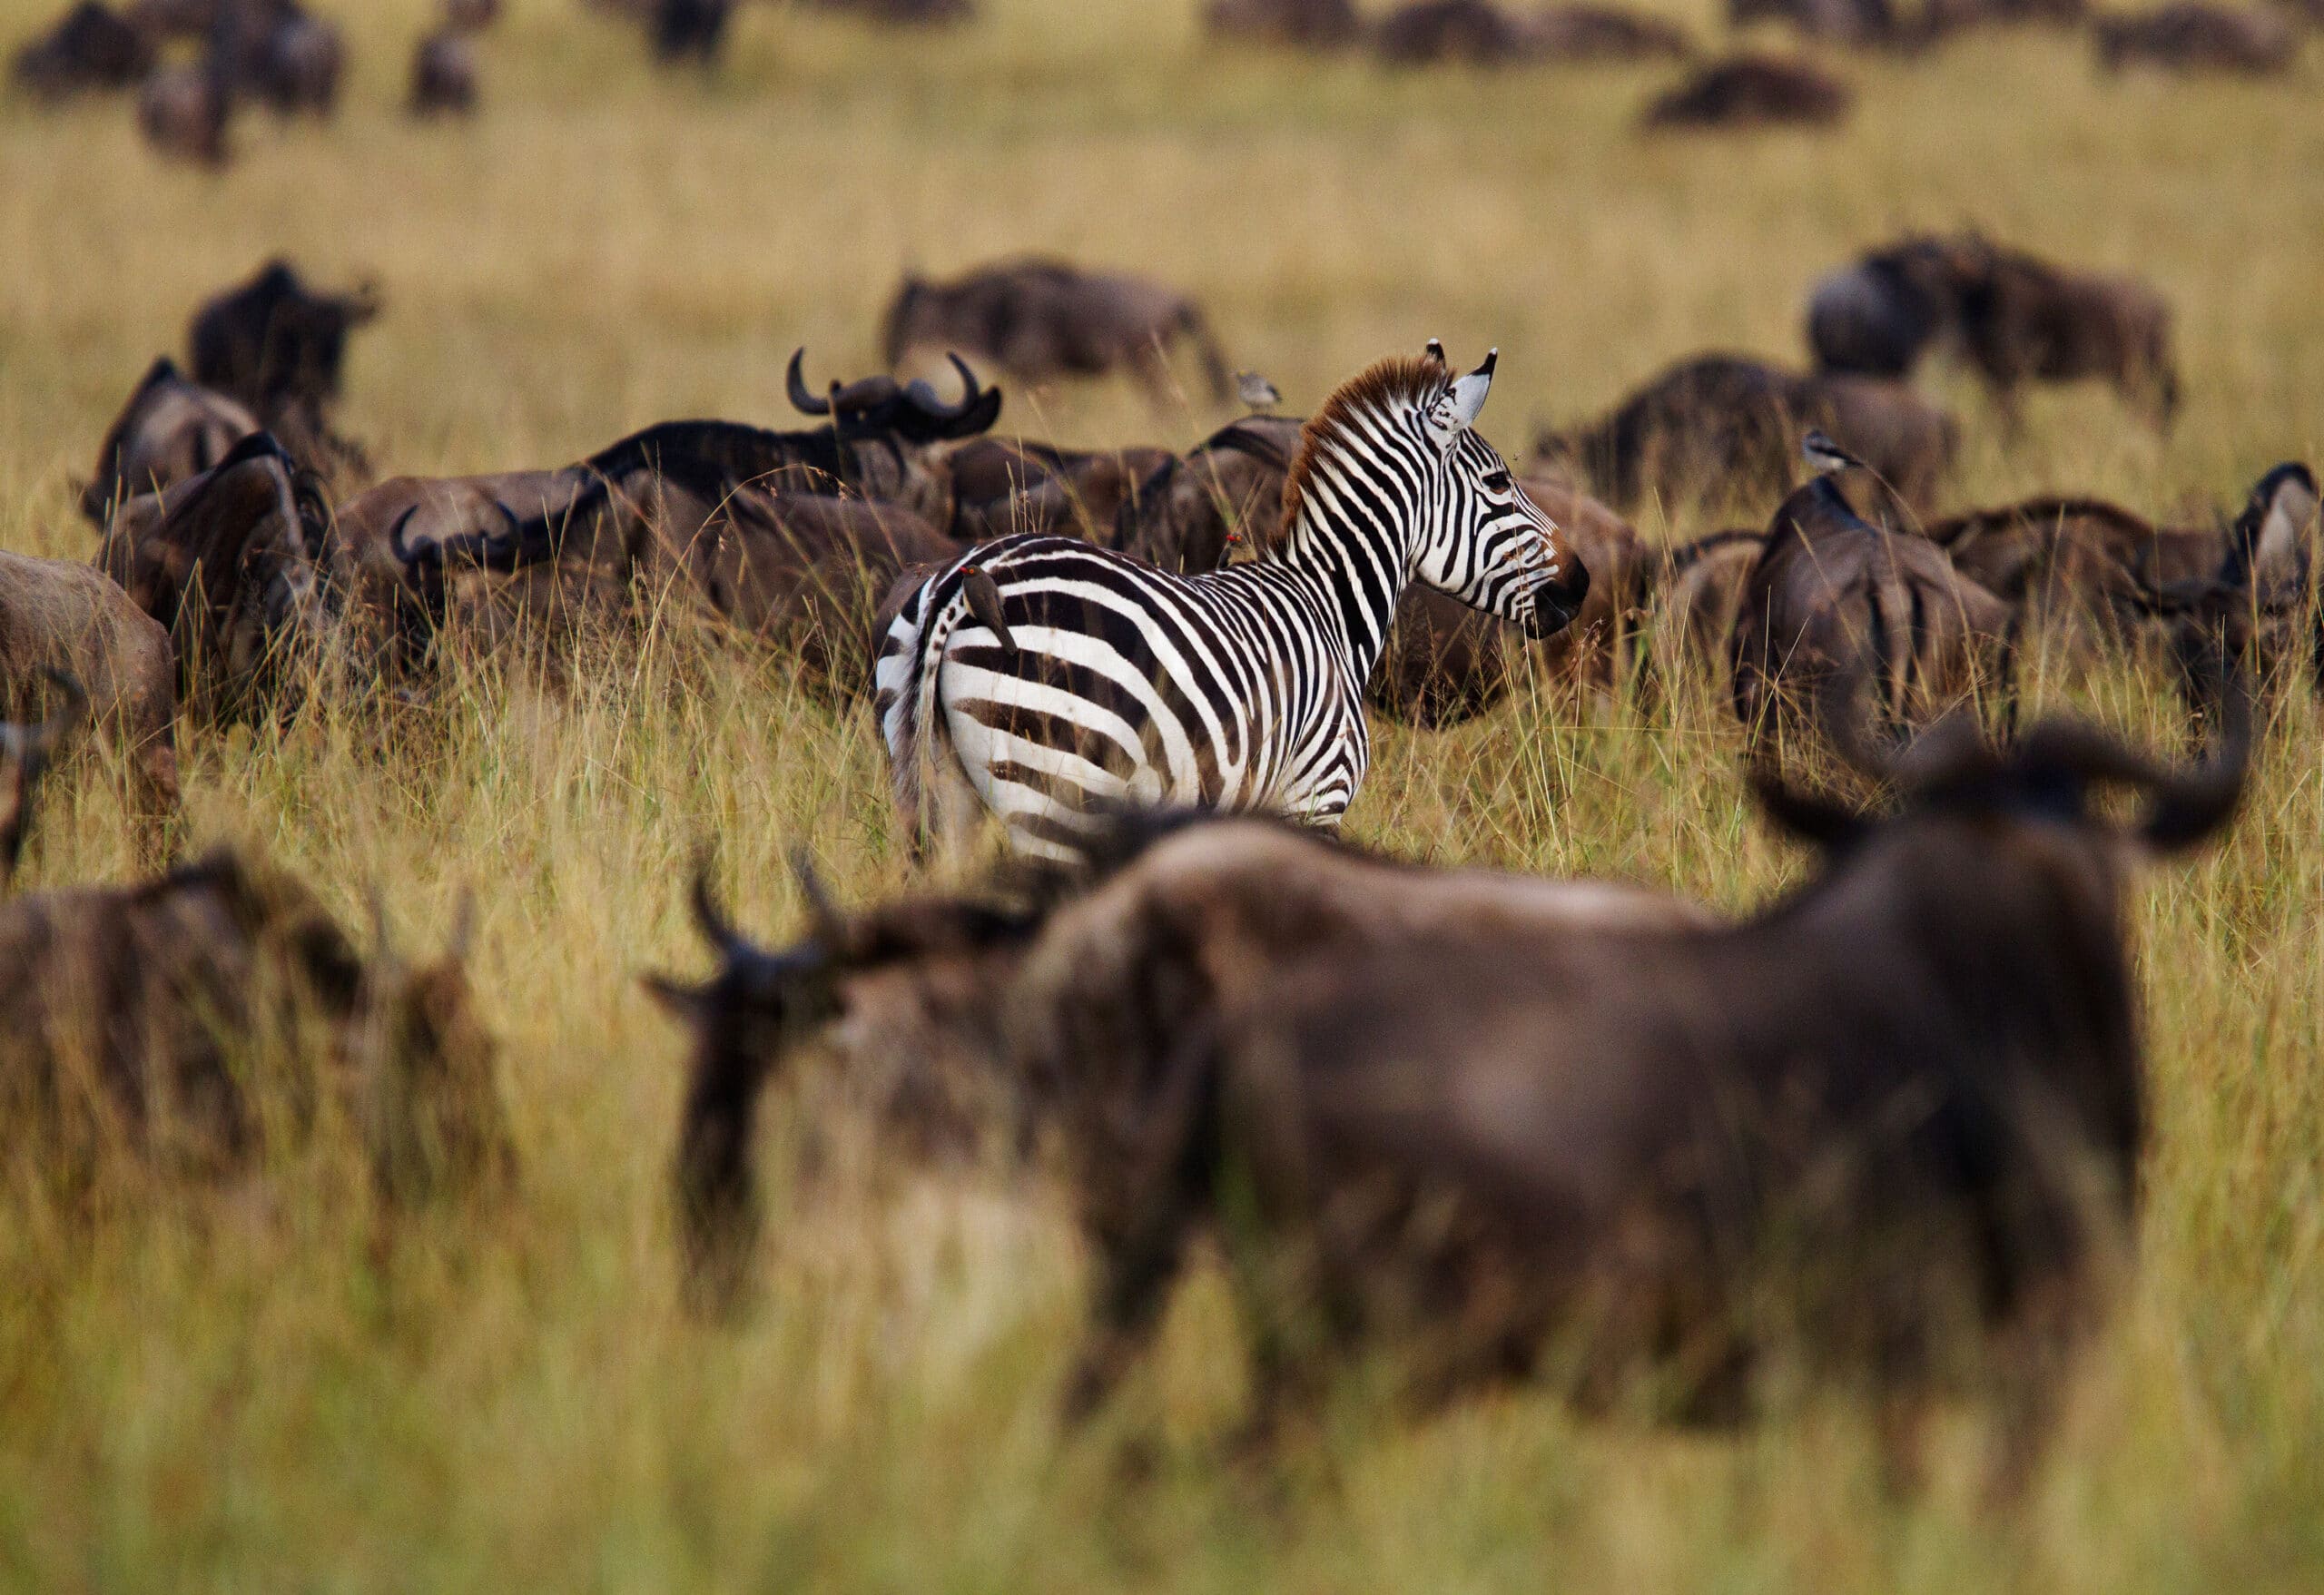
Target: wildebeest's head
<point>169,429</point>
<point>879,405</point>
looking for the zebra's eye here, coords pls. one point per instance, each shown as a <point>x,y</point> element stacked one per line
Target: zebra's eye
<point>1496,481</point>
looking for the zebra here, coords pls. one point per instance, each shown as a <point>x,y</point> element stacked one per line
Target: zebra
<point>1238,689</point>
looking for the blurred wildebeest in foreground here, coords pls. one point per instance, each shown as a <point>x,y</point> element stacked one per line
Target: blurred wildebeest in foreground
<point>1040,319</point>
<point>2188,37</point>
<point>89,49</point>
<point>183,112</point>
<point>1884,1137</point>
<point>26,751</point>
<point>900,13</point>
<point>443,76</point>
<point>1300,24</point>
<point>169,429</point>
<point>186,1023</point>
<point>236,565</point>
<point>2015,316</point>
<point>1727,428</point>
<point>59,618</point>
<point>1833,601</point>
<point>928,989</point>
<point>1753,90</point>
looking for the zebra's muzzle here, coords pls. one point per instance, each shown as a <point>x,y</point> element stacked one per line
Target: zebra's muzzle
<point>1556,603</point>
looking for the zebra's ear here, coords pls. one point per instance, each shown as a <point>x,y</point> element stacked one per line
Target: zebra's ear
<point>1457,411</point>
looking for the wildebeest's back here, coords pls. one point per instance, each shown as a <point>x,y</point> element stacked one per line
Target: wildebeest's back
<point>59,615</point>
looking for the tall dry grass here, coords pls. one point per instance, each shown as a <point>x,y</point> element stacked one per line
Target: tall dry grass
<point>262,1390</point>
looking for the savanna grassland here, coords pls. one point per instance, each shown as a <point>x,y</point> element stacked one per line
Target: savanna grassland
<point>271,1389</point>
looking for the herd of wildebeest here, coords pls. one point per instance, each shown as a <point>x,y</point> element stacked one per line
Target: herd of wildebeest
<point>1884,1132</point>
<point>193,62</point>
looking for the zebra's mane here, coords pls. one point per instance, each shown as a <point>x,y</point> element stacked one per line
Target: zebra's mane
<point>1394,383</point>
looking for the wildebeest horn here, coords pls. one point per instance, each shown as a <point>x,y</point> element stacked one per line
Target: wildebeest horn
<point>711,920</point>
<point>924,398</point>
<point>795,383</point>
<point>406,556</point>
<point>2185,805</point>
<point>830,924</point>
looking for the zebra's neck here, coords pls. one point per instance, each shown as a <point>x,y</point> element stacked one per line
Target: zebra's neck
<point>1352,530</point>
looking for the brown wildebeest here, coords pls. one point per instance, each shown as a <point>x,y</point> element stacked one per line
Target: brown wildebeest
<point>235,565</point>
<point>2261,605</point>
<point>923,988</point>
<point>169,429</point>
<point>164,20</point>
<point>1702,586</point>
<point>690,30</point>
<point>1474,33</point>
<point>89,49</point>
<point>1833,599</point>
<point>2189,36</point>
<point>1724,430</point>
<point>1040,319</point>
<point>282,55</point>
<point>183,112</point>
<point>26,751</point>
<point>186,1022</point>
<point>443,76</point>
<point>59,618</point>
<point>470,17</point>
<point>1845,22</point>
<point>1877,316</point>
<point>2025,319</point>
<point>2082,563</point>
<point>1605,33</point>
<point>1752,90</point>
<point>277,345</point>
<point>802,574</point>
<point>1000,487</point>
<point>1943,19</point>
<point>1299,23</point>
<point>1885,1135</point>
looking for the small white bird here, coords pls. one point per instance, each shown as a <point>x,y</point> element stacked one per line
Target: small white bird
<point>1825,455</point>
<point>1259,395</point>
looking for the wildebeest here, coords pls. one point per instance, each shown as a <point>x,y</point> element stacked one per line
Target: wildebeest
<point>2260,606</point>
<point>2189,36</point>
<point>1846,22</point>
<point>26,751</point>
<point>1752,90</point>
<point>470,17</point>
<point>1605,33</point>
<point>164,20</point>
<point>1833,601</point>
<point>2023,319</point>
<point>2016,317</point>
<point>275,344</point>
<point>1475,32</point>
<point>90,48</point>
<point>1884,1134</point>
<point>1701,587</point>
<point>690,30</point>
<point>184,1023</point>
<point>1303,23</point>
<point>235,565</point>
<point>1040,319</point>
<point>61,618</point>
<point>443,76</point>
<point>2076,562</point>
<point>1003,487</point>
<point>184,112</point>
<point>1725,428</point>
<point>282,55</point>
<point>169,429</point>
<point>1943,19</point>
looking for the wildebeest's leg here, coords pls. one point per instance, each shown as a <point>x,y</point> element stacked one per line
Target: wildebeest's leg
<point>1141,1228</point>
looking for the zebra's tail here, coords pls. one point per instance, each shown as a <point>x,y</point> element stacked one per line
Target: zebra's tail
<point>911,656</point>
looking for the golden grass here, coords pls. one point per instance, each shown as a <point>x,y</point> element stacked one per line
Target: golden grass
<point>254,1394</point>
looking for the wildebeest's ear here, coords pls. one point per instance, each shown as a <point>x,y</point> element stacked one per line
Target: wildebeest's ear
<point>1818,820</point>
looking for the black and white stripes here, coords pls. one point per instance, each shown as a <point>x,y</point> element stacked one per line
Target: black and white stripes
<point>1242,689</point>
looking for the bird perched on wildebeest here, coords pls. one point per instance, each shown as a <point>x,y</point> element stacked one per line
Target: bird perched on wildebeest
<point>1259,395</point>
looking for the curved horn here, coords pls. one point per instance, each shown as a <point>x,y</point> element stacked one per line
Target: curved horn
<point>822,910</point>
<point>795,383</point>
<point>406,556</point>
<point>924,400</point>
<point>715,926</point>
